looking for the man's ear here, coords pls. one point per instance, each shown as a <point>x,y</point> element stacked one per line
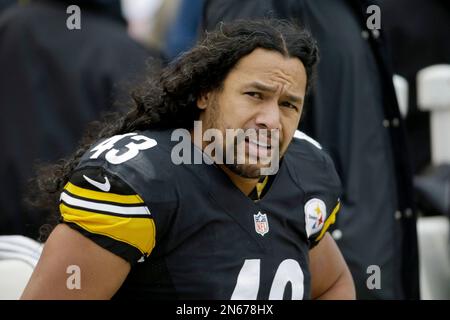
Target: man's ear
<point>203,100</point>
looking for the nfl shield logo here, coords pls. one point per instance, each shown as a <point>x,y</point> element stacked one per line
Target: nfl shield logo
<point>261,223</point>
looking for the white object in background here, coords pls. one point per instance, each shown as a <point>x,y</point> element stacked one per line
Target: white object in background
<point>18,257</point>
<point>401,91</point>
<point>433,236</point>
<point>14,276</point>
<point>140,9</point>
<point>140,15</point>
<point>433,94</point>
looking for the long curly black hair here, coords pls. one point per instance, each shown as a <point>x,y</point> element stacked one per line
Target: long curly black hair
<point>168,99</point>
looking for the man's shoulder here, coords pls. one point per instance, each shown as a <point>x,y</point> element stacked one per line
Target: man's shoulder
<point>310,164</point>
<point>121,190</point>
<point>139,148</point>
<point>141,159</point>
<point>306,147</point>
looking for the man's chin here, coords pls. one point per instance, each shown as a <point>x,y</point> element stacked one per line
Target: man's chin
<point>248,171</point>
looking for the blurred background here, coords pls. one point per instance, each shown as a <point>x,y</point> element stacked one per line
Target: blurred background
<point>380,107</point>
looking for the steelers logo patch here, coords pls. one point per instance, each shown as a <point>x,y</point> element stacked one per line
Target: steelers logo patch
<point>315,215</point>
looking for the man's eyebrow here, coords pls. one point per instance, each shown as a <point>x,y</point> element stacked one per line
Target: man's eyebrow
<point>267,88</point>
<point>294,98</point>
<point>263,87</point>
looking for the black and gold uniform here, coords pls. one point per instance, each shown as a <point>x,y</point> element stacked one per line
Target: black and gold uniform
<point>189,232</point>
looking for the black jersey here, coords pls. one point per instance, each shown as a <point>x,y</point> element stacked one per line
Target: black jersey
<point>189,232</point>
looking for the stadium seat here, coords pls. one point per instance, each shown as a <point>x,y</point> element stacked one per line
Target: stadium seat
<point>434,257</point>
<point>18,257</point>
<point>433,94</point>
<point>433,187</point>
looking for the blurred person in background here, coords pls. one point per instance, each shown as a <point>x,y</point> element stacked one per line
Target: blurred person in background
<point>412,24</point>
<point>6,3</point>
<point>426,25</point>
<point>53,81</point>
<point>353,113</point>
<point>183,32</point>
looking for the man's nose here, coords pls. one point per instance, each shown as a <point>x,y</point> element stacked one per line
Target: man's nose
<point>269,115</point>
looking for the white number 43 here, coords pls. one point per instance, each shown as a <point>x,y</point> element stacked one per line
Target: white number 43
<point>137,144</point>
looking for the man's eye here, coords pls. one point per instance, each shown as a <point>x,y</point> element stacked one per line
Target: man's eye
<point>256,95</point>
<point>289,105</point>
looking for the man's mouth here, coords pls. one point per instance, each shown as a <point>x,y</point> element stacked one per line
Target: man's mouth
<point>259,143</point>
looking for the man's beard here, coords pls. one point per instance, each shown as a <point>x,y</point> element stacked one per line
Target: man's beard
<point>245,170</point>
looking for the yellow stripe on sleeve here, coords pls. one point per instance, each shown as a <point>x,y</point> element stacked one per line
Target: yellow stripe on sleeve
<point>331,219</point>
<point>103,196</point>
<point>137,232</point>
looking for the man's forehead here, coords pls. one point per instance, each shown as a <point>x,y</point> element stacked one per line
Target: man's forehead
<point>268,59</point>
<point>270,67</point>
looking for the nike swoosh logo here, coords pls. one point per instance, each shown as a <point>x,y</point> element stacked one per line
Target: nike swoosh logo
<point>105,186</point>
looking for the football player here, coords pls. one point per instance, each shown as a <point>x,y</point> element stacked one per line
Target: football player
<point>135,223</point>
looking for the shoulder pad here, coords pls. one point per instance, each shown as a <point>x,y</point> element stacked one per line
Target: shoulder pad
<point>303,136</point>
<point>141,159</point>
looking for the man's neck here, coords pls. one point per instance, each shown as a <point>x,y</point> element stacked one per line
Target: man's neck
<point>246,185</point>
